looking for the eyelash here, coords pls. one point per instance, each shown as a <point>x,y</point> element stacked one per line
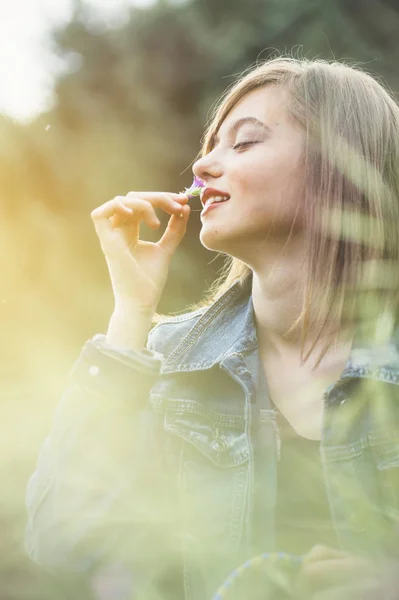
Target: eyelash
<point>242,144</point>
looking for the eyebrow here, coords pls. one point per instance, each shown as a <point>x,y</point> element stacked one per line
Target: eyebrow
<point>235,126</point>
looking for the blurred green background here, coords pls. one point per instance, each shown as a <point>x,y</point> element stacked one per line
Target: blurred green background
<point>129,115</point>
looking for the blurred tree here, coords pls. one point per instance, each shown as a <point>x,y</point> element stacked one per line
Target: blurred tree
<point>142,94</point>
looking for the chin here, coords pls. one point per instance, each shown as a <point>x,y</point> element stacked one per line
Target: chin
<point>216,240</point>
<point>211,244</point>
<point>213,239</point>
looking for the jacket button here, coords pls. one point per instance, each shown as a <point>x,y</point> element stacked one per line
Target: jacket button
<point>241,370</point>
<point>94,370</point>
<point>219,444</point>
<point>215,445</point>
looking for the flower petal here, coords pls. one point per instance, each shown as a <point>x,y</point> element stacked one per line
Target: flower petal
<point>195,189</point>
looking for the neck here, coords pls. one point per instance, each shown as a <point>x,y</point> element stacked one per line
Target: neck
<point>277,296</point>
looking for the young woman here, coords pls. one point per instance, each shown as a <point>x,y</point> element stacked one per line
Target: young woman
<point>266,419</point>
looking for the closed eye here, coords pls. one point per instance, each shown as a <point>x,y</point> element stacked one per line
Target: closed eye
<point>243,144</point>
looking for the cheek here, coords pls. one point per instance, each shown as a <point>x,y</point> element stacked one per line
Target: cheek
<point>272,186</point>
<point>279,200</point>
<point>251,182</point>
<point>260,176</point>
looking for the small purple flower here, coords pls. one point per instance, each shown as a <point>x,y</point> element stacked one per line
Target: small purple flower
<point>195,189</point>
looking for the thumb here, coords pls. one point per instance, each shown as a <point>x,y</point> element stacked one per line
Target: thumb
<point>320,552</point>
<point>175,231</point>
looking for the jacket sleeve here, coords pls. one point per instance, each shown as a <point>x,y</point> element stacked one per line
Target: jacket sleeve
<point>84,498</point>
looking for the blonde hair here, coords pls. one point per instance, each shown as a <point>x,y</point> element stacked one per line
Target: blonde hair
<point>351,205</point>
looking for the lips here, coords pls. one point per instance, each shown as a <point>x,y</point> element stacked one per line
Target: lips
<point>211,206</point>
<point>208,191</point>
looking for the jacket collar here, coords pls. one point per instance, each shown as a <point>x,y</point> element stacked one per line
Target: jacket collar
<point>224,328</point>
<point>227,328</point>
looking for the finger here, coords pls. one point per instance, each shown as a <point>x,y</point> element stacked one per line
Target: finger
<point>142,211</point>
<point>106,210</point>
<point>128,211</point>
<point>175,231</point>
<point>169,202</point>
<point>367,589</point>
<point>160,200</point>
<point>156,196</point>
<point>115,214</point>
<point>317,575</point>
<point>122,216</point>
<point>320,552</point>
<point>105,216</point>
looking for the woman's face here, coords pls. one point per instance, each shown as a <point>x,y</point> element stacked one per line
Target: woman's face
<point>263,177</point>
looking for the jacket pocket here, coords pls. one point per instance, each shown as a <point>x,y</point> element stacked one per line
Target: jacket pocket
<point>385,450</point>
<point>221,439</point>
<point>213,475</point>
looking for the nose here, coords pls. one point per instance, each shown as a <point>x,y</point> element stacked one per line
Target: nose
<point>207,167</point>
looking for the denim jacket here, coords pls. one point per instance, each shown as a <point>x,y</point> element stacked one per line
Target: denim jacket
<point>167,459</point>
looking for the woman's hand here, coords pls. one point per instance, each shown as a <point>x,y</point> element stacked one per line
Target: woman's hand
<point>139,269</point>
<point>329,574</point>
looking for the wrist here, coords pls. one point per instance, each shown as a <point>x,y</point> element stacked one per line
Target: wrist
<point>129,330</point>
